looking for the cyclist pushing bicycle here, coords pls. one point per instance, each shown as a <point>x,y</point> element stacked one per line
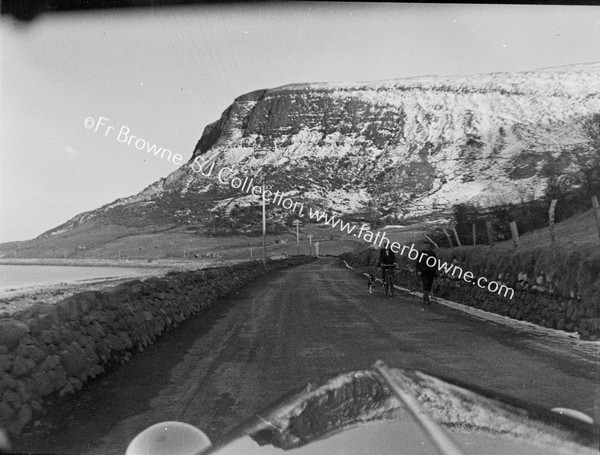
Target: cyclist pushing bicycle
<point>387,263</point>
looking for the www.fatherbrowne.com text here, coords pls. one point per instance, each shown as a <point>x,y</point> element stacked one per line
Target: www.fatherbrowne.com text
<point>246,185</point>
<point>380,239</point>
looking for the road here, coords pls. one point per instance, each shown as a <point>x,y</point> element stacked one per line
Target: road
<point>294,325</point>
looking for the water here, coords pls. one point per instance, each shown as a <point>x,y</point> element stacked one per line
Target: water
<point>16,277</point>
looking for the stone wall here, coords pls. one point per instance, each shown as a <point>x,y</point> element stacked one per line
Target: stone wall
<point>48,350</point>
<point>558,289</point>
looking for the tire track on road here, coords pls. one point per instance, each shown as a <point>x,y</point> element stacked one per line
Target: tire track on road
<point>304,323</point>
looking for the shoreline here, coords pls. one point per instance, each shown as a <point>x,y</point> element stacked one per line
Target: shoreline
<point>19,298</point>
<point>137,263</point>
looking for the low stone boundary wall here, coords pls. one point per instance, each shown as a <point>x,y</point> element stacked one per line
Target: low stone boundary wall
<point>51,349</point>
<point>535,303</point>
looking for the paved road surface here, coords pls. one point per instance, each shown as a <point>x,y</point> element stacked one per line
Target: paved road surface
<point>294,325</point>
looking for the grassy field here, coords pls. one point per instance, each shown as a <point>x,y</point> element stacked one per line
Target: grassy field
<point>103,245</point>
<point>578,230</point>
<point>109,243</point>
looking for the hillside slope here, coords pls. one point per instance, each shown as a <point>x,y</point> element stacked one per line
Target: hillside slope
<point>409,148</point>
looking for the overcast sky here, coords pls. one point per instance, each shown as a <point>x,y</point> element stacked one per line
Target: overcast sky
<point>166,73</point>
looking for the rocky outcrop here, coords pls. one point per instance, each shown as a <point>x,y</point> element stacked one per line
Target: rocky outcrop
<point>412,147</point>
<point>54,349</point>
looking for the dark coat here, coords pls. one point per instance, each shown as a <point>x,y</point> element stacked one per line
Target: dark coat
<point>423,267</point>
<point>385,258</point>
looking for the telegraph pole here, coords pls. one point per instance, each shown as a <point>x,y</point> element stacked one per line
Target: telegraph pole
<point>297,224</point>
<point>264,220</point>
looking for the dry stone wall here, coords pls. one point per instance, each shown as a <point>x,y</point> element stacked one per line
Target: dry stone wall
<point>555,288</point>
<point>48,350</point>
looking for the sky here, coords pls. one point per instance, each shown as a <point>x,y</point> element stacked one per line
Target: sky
<point>163,74</point>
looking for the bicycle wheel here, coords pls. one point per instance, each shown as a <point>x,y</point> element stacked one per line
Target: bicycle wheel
<point>389,282</point>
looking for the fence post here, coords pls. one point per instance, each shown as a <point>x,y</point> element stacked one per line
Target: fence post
<point>515,233</point>
<point>551,220</point>
<point>432,242</point>
<point>596,212</point>
<point>448,237</point>
<point>490,232</point>
<point>474,234</point>
<point>456,236</point>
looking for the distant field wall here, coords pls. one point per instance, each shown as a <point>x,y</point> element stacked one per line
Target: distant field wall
<point>555,287</point>
<point>53,349</point>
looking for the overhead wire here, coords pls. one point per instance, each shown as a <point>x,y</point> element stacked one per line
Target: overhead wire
<point>212,57</point>
<point>219,52</point>
<point>195,54</point>
<point>175,55</point>
<point>192,58</point>
<point>181,63</point>
<point>227,36</point>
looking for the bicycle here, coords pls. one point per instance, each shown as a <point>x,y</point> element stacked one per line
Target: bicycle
<point>388,279</point>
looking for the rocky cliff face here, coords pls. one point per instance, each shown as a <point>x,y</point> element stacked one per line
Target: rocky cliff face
<point>409,147</point>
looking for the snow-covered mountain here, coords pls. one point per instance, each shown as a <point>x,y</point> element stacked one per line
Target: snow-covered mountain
<point>407,147</point>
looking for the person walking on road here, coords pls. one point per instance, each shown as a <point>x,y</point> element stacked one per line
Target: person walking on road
<point>427,272</point>
<point>387,263</point>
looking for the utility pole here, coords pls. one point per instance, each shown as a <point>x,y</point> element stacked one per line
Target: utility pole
<point>297,224</point>
<point>264,220</point>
